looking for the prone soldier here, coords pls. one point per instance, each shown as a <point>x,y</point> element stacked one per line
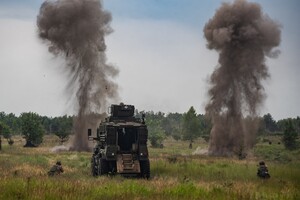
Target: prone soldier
<point>56,169</point>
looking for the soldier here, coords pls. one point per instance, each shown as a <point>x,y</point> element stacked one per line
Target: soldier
<point>262,170</point>
<point>56,169</point>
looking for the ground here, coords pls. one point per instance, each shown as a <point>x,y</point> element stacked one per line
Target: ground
<point>176,173</point>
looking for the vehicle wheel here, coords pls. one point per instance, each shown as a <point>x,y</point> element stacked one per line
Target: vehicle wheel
<point>145,169</point>
<point>102,167</point>
<point>111,167</point>
<point>93,167</point>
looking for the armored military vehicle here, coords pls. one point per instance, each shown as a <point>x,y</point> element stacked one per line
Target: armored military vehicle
<point>121,144</point>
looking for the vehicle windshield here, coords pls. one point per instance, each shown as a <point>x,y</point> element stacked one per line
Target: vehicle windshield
<point>127,139</point>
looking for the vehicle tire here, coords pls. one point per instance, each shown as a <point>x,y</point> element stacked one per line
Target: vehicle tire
<point>111,167</point>
<point>145,169</point>
<point>102,167</point>
<point>93,167</point>
<point>99,167</point>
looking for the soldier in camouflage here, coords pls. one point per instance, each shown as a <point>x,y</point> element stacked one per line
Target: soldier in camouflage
<point>262,170</point>
<point>56,169</point>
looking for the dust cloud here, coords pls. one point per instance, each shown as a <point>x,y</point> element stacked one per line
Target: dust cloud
<point>75,30</point>
<point>243,36</point>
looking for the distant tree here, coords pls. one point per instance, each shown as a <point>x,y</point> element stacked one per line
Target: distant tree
<point>3,117</point>
<point>297,124</point>
<point>172,124</point>
<point>5,131</point>
<point>176,135</point>
<point>47,124</point>
<point>63,135</point>
<point>205,125</point>
<point>156,133</point>
<point>12,121</point>
<point>167,126</point>
<point>64,128</point>
<point>32,129</point>
<point>281,124</point>
<point>290,136</point>
<point>190,125</point>
<point>261,129</point>
<point>270,123</point>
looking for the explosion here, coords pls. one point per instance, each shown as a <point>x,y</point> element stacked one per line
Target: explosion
<point>75,30</point>
<point>243,36</point>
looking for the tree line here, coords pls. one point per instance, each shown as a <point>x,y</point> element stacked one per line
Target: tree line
<point>190,126</point>
<point>186,126</point>
<point>33,127</point>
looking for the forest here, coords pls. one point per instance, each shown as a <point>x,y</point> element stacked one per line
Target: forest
<point>186,126</point>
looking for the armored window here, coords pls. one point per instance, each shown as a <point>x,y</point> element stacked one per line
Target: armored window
<point>111,136</point>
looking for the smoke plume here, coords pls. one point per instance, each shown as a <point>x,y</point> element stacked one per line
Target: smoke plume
<point>75,30</point>
<point>243,36</point>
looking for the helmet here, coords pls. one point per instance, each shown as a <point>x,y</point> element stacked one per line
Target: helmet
<point>58,163</point>
<point>261,163</point>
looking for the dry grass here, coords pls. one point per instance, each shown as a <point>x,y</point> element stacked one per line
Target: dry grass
<point>23,173</point>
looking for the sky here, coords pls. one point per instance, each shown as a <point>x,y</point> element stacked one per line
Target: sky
<point>159,48</point>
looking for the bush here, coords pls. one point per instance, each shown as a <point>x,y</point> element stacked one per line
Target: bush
<point>6,132</point>
<point>32,129</point>
<point>290,136</point>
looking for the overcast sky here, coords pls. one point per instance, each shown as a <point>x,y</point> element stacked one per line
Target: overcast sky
<point>159,48</point>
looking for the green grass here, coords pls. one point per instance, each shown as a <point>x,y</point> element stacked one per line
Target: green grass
<point>276,152</point>
<point>107,188</point>
<point>175,174</point>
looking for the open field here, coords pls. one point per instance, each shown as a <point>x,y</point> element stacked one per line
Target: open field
<point>175,174</point>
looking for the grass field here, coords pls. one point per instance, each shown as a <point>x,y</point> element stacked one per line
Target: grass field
<point>175,174</point>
